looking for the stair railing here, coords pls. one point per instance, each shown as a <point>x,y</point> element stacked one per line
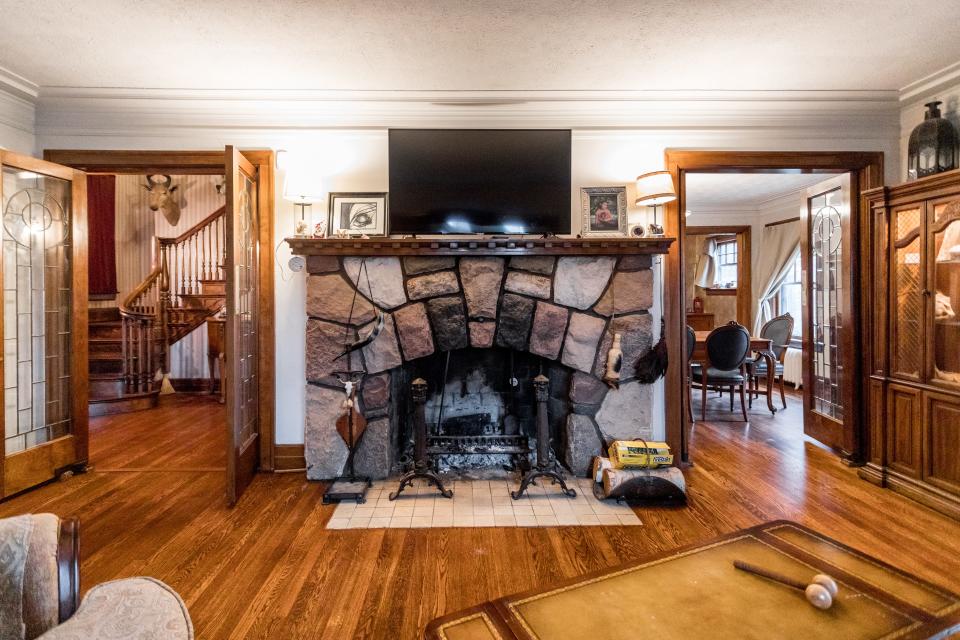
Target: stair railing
<point>182,265</point>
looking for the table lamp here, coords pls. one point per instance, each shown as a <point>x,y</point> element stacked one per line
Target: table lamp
<point>302,187</point>
<point>654,189</point>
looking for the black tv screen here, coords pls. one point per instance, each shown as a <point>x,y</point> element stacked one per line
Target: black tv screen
<point>446,181</point>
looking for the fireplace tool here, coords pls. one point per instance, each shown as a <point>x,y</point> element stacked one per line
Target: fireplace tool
<point>350,425</point>
<point>543,468</point>
<point>421,464</point>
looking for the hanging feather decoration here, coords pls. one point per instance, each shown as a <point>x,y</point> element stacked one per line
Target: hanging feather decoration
<point>652,365</point>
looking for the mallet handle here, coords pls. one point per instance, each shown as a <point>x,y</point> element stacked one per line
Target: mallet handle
<point>770,575</point>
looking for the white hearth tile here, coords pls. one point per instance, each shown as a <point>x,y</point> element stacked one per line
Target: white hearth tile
<point>359,523</point>
<point>526,521</point>
<point>480,503</point>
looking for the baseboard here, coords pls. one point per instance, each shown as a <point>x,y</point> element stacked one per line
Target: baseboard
<point>927,495</point>
<point>288,457</point>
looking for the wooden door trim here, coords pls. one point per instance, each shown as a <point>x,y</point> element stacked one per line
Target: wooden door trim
<point>744,291</point>
<point>869,168</point>
<point>195,162</point>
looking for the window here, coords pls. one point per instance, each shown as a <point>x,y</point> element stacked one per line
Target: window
<point>727,264</point>
<point>789,297</point>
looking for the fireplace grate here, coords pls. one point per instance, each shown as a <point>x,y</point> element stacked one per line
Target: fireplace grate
<point>478,444</point>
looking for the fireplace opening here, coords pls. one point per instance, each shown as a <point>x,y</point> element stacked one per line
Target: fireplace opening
<point>481,407</point>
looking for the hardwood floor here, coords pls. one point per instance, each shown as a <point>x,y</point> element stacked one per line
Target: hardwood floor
<point>268,568</point>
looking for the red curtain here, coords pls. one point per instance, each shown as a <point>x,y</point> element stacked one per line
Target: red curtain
<point>101,222</point>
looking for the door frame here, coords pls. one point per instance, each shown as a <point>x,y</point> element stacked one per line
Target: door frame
<point>72,450</point>
<point>211,163</point>
<point>868,167</point>
<point>744,291</point>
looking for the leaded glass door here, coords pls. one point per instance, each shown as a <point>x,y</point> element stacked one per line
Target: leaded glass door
<point>242,347</point>
<point>829,325</point>
<point>44,321</point>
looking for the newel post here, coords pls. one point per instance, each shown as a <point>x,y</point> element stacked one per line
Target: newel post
<point>162,316</point>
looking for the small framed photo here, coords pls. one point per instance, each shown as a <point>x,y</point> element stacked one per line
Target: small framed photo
<point>604,211</point>
<point>357,214</point>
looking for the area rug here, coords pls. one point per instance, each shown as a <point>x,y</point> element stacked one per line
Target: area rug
<point>480,503</point>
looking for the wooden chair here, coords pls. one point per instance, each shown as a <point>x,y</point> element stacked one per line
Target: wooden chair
<point>727,350</point>
<point>779,330</point>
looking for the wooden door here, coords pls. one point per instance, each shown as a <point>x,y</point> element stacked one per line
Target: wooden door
<point>830,362</point>
<point>242,330</point>
<point>43,260</point>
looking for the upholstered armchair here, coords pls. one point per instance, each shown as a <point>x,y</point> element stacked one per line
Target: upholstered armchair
<point>40,587</point>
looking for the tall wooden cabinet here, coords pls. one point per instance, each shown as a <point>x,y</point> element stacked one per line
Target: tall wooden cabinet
<point>914,378</point>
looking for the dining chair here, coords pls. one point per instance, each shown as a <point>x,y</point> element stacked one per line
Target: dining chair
<point>727,349</point>
<point>779,331</point>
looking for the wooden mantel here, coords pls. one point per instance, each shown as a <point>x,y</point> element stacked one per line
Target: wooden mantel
<point>478,246</point>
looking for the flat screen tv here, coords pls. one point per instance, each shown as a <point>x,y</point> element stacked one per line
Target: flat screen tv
<point>509,182</point>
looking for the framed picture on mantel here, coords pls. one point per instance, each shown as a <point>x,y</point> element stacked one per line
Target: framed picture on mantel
<point>357,214</point>
<point>604,211</point>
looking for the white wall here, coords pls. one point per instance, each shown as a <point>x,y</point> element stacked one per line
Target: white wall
<point>357,160</point>
<point>17,121</point>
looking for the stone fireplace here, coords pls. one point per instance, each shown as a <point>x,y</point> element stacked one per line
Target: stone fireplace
<point>475,321</point>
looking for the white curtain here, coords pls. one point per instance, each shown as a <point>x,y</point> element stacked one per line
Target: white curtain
<point>778,250</point>
<point>706,276</point>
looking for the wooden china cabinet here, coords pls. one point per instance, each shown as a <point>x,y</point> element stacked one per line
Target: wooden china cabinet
<point>914,381</point>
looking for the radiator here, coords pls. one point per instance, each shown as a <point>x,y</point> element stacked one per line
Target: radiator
<point>793,367</point>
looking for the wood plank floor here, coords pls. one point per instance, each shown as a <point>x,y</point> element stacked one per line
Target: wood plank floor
<point>268,568</point>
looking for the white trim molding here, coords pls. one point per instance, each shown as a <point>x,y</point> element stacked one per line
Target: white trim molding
<point>927,87</point>
<point>64,111</point>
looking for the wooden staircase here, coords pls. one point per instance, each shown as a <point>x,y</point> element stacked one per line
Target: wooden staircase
<point>129,344</point>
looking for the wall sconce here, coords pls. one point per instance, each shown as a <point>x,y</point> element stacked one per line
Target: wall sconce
<point>654,189</point>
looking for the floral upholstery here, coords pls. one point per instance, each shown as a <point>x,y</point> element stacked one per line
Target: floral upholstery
<point>131,609</point>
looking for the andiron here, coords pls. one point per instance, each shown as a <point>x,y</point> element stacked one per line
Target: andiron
<point>421,465</point>
<point>543,468</point>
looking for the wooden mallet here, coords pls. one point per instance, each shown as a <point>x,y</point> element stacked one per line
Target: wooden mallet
<point>820,591</point>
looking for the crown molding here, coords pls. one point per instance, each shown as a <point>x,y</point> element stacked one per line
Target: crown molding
<point>65,111</point>
<point>928,86</point>
<point>18,86</point>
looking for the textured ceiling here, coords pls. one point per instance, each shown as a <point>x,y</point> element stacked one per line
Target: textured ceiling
<point>478,45</point>
<point>708,192</point>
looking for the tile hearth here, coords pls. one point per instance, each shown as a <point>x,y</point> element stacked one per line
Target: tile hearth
<point>480,503</point>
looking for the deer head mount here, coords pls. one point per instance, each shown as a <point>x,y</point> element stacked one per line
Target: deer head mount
<point>162,198</point>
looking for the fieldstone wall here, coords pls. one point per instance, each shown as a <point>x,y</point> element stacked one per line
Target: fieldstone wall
<point>563,309</point>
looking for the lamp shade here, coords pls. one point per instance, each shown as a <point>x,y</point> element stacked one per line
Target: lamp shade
<point>655,188</point>
<point>302,184</point>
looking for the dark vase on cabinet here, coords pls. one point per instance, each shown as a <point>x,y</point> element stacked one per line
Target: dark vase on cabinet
<point>913,442</point>
<point>933,145</point>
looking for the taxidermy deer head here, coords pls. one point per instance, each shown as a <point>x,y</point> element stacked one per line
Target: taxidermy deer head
<point>162,198</point>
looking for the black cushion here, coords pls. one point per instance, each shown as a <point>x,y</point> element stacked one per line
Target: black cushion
<point>728,346</point>
<point>760,368</point>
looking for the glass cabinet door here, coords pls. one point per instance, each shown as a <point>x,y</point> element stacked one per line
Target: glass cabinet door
<point>907,299</point>
<point>943,289</point>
